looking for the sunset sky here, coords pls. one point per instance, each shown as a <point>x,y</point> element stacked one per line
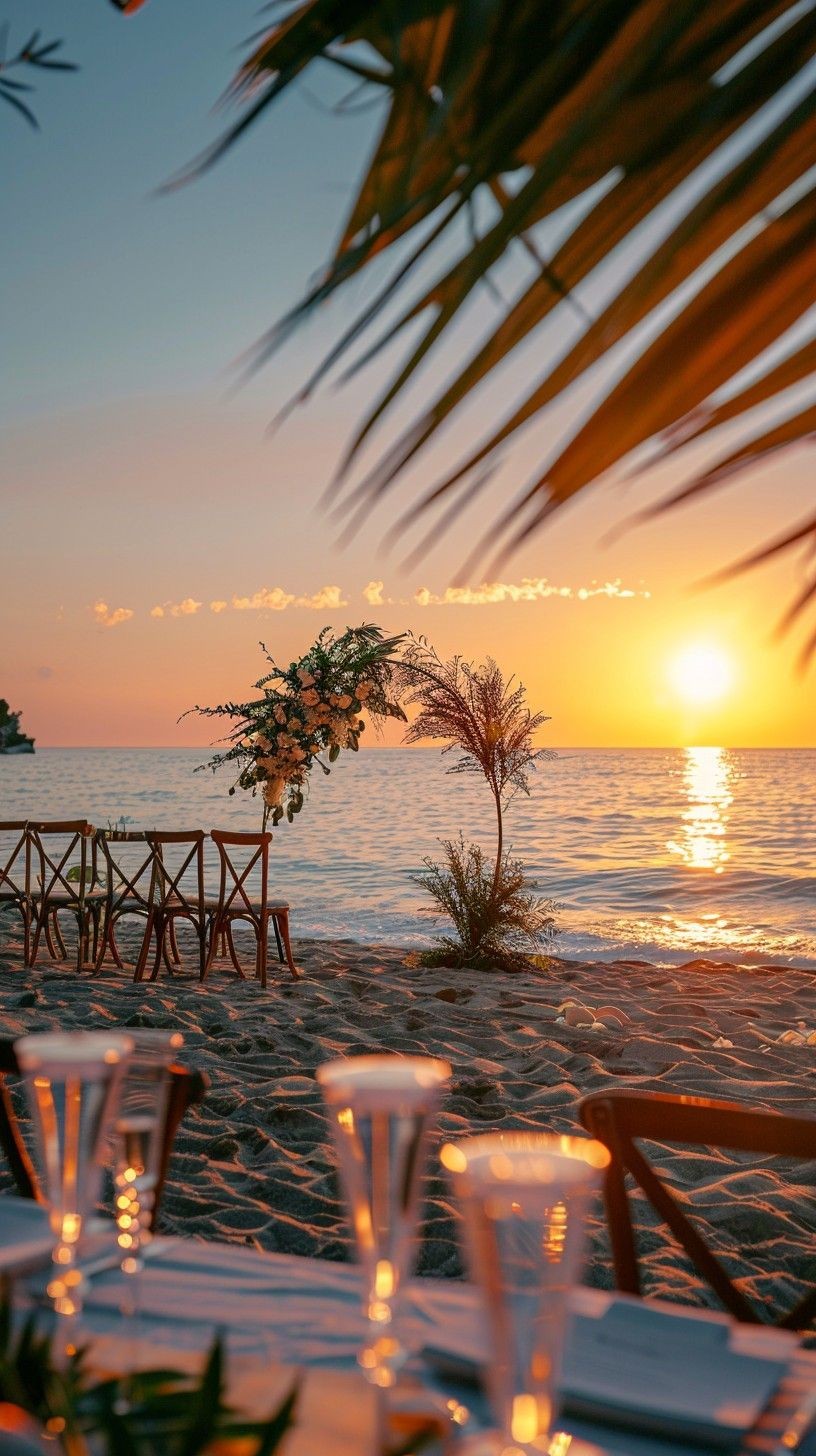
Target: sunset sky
<point>151,532</point>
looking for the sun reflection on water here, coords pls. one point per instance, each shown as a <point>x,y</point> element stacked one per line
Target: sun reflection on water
<point>707,775</point>
<point>702,845</point>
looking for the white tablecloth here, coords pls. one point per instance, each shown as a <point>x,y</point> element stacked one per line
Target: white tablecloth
<point>283,1310</point>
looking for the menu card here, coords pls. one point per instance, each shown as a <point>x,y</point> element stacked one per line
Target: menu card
<point>689,1376</point>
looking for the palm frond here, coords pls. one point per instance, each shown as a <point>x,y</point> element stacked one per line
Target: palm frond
<point>33,55</point>
<point>621,108</point>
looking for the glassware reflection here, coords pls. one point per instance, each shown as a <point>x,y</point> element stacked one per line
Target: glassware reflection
<point>707,780</point>
<point>138,1132</point>
<point>380,1110</point>
<point>525,1198</point>
<point>73,1082</point>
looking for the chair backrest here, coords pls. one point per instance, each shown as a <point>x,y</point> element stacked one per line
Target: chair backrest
<point>619,1118</point>
<point>130,868</point>
<point>15,859</point>
<point>187,1088</point>
<point>178,881</point>
<point>65,852</point>
<point>244,872</point>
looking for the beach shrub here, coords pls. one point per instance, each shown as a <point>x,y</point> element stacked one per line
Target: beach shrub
<point>484,719</point>
<point>495,920</point>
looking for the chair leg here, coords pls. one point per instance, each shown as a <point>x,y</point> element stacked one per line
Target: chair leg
<point>35,944</point>
<point>114,949</point>
<point>282,919</point>
<point>52,925</point>
<point>161,950</point>
<point>144,949</point>
<point>165,950</point>
<point>202,948</point>
<point>216,934</point>
<point>262,929</point>
<point>26,914</point>
<point>233,954</point>
<point>97,922</point>
<point>278,941</point>
<point>83,920</point>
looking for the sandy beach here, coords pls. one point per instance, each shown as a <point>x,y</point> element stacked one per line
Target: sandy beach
<point>253,1164</point>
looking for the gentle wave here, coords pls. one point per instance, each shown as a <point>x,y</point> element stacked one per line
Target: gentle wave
<point>656,854</point>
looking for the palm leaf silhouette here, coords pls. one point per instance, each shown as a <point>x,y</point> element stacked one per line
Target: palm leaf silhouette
<point>607,105</point>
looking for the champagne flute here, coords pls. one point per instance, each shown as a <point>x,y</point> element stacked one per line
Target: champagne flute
<point>525,1198</point>
<point>381,1109</point>
<point>138,1137</point>
<point>72,1080</point>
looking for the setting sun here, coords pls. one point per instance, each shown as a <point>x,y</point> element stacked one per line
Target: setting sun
<point>701,673</point>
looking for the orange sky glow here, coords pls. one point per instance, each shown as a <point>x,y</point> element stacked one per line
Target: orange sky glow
<point>151,532</point>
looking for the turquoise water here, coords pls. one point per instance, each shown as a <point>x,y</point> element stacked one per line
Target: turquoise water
<point>659,854</point>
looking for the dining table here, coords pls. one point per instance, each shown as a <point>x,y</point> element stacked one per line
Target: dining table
<point>282,1316</point>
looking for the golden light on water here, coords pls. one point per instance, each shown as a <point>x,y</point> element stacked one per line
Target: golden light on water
<point>702,842</point>
<point>701,673</point>
<point>708,776</point>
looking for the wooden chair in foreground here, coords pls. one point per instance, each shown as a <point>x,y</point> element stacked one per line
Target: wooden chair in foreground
<point>618,1118</point>
<point>64,854</point>
<point>15,876</point>
<point>187,1089</point>
<point>177,894</point>
<point>243,894</point>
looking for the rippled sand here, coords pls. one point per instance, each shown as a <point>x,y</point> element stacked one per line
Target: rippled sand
<point>253,1163</point>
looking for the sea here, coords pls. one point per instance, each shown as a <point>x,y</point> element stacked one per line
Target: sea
<point>653,854</point>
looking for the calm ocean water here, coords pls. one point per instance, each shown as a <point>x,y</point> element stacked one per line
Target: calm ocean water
<point>659,854</point>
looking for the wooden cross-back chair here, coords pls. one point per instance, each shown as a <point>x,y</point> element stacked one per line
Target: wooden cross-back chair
<point>130,871</point>
<point>61,849</point>
<point>15,876</point>
<point>177,894</point>
<point>619,1119</point>
<point>243,894</point>
<point>187,1089</point>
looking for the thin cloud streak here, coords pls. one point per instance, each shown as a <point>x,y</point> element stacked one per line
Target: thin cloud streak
<point>529,589</point>
<point>331,598</point>
<point>187,608</point>
<point>495,593</point>
<point>275,599</point>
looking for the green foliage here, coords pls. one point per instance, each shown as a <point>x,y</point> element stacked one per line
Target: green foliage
<point>310,708</point>
<point>496,924</point>
<point>153,1413</point>
<point>485,719</point>
<point>612,119</point>
<point>10,735</point>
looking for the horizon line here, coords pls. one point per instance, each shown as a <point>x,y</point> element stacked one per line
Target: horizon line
<point>429,747</point>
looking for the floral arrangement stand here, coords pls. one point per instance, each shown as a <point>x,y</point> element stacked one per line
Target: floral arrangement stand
<point>307,714</point>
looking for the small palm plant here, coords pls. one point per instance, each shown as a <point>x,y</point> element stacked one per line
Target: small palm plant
<point>483,717</point>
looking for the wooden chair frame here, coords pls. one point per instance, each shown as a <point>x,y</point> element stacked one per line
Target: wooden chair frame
<point>617,1118</point>
<point>187,1089</point>
<point>13,895</point>
<point>83,899</point>
<point>129,891</point>
<point>170,902</point>
<point>237,902</point>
